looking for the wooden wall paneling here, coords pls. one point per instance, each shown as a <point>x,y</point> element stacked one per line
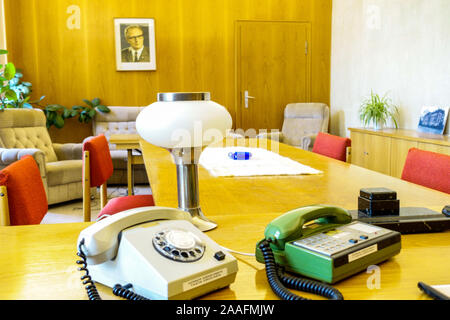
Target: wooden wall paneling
<point>22,39</point>
<point>168,46</point>
<point>195,49</point>
<point>3,58</point>
<point>320,50</point>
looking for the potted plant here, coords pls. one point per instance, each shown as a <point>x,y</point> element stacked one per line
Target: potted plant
<point>57,114</point>
<point>378,110</point>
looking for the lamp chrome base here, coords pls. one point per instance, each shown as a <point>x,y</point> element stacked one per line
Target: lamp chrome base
<point>199,220</point>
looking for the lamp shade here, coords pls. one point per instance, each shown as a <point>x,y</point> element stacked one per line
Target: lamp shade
<point>183,120</point>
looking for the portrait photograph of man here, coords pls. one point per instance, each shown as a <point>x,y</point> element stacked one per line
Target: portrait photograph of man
<point>135,44</point>
<point>136,48</point>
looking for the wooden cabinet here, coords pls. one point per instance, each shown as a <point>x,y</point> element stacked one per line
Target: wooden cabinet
<point>385,150</point>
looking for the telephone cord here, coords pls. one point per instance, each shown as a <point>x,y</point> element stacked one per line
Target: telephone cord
<point>279,282</point>
<point>123,292</point>
<point>91,289</point>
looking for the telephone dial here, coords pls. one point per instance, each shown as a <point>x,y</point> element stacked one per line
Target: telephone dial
<point>152,253</point>
<point>323,243</point>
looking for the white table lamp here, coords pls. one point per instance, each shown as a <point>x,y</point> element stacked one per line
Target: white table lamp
<point>184,123</point>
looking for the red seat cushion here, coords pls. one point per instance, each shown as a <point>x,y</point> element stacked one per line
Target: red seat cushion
<point>429,169</point>
<point>27,200</point>
<point>331,146</point>
<point>120,204</point>
<point>100,161</point>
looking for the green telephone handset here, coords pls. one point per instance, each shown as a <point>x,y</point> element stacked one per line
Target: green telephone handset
<point>291,225</point>
<point>322,243</point>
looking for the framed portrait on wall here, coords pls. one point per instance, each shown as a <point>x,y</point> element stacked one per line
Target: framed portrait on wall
<point>135,44</point>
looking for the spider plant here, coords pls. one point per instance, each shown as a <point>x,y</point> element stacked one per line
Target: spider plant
<point>378,110</point>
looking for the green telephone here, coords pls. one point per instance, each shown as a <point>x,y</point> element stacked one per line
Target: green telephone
<point>321,242</point>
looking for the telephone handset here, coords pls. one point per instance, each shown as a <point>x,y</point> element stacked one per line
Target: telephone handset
<point>155,250</point>
<point>323,243</point>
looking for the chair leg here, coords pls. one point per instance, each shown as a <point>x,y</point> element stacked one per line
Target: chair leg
<point>86,188</point>
<point>349,155</point>
<point>4,209</point>
<point>103,196</point>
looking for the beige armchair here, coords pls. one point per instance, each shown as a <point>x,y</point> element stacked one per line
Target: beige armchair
<point>121,120</point>
<point>24,131</point>
<point>302,122</point>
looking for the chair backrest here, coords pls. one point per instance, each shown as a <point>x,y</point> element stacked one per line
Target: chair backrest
<point>26,197</point>
<point>428,169</point>
<point>100,161</point>
<point>121,120</point>
<point>26,128</point>
<point>301,119</point>
<point>331,146</point>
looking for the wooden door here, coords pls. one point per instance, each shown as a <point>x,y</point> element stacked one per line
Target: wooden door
<point>273,69</point>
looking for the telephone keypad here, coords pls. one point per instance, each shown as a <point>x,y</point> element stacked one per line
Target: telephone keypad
<point>340,238</point>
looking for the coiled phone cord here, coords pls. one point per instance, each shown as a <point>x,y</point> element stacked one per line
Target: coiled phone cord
<point>279,281</point>
<point>91,289</point>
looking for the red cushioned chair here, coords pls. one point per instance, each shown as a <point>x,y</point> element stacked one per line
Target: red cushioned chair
<point>332,146</point>
<point>97,169</point>
<point>23,200</point>
<point>429,169</point>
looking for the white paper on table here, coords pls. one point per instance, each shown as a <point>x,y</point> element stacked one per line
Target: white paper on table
<point>262,162</point>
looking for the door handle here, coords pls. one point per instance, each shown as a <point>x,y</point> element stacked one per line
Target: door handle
<point>246,97</point>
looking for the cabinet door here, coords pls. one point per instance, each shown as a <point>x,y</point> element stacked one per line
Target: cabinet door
<point>378,153</point>
<point>399,151</point>
<point>371,151</point>
<point>358,151</point>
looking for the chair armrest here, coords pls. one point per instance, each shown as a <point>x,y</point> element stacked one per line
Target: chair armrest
<point>277,135</point>
<point>8,156</point>
<point>308,141</point>
<point>68,151</point>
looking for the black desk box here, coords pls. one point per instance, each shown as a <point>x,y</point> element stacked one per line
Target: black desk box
<point>378,202</point>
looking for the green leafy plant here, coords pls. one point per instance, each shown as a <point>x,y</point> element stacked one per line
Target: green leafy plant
<point>7,73</point>
<point>13,92</point>
<point>378,110</point>
<point>57,114</point>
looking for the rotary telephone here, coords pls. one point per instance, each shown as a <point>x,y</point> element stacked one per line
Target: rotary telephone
<point>152,253</point>
<point>323,243</point>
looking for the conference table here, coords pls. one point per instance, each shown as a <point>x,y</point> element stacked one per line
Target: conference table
<point>38,262</point>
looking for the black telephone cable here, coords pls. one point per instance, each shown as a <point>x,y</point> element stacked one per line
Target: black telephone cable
<point>279,282</point>
<point>91,289</point>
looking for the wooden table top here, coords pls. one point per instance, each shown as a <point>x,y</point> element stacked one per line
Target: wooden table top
<point>38,262</point>
<point>243,206</point>
<point>125,141</point>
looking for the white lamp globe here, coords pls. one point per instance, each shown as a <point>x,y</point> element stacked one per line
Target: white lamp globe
<point>183,120</point>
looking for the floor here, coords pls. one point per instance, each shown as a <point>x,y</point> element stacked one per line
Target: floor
<point>72,211</point>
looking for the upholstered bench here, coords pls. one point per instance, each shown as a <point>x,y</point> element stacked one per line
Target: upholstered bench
<point>121,120</point>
